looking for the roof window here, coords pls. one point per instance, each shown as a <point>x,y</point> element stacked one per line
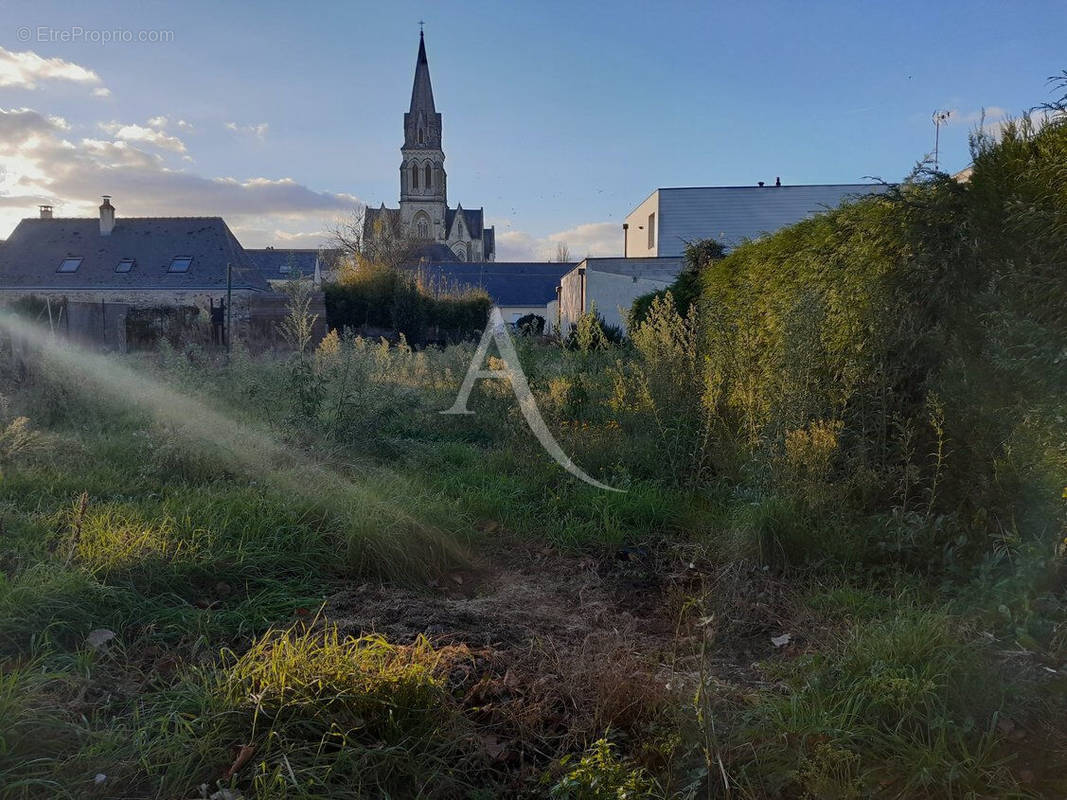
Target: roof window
<point>180,264</point>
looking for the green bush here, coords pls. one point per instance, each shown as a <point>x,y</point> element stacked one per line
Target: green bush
<point>685,291</point>
<point>601,775</point>
<point>402,302</point>
<point>923,327</point>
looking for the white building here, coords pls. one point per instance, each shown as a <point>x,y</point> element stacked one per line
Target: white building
<point>612,284</point>
<point>669,218</point>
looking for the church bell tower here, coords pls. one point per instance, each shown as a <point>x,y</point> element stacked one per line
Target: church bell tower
<point>423,198</point>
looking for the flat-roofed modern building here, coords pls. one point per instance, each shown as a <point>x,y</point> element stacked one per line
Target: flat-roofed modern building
<point>669,218</point>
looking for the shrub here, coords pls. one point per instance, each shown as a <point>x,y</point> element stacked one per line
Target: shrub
<point>530,325</point>
<point>601,775</point>
<point>925,323</point>
<point>591,332</point>
<point>298,326</point>
<point>685,290</point>
<point>660,392</point>
<point>400,301</point>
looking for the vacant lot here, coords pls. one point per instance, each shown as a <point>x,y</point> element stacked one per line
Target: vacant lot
<point>292,577</point>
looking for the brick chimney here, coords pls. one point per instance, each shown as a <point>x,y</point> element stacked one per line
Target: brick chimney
<point>46,212</point>
<point>107,216</point>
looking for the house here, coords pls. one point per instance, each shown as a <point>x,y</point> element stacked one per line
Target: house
<point>91,273</point>
<point>612,285</point>
<point>517,287</point>
<point>669,218</point>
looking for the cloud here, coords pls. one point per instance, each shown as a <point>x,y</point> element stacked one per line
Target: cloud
<point>26,70</point>
<point>589,239</point>
<point>259,130</point>
<point>40,164</point>
<point>157,122</point>
<point>101,91</point>
<point>148,136</point>
<point>993,119</point>
<point>18,126</point>
<point>252,236</point>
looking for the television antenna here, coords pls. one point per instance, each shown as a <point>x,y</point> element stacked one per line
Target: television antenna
<point>939,118</point>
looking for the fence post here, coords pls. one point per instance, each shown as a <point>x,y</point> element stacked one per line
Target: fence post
<point>229,308</point>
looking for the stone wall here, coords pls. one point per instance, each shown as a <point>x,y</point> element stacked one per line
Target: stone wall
<point>99,318</point>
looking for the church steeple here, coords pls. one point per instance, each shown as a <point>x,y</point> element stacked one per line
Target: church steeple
<point>422,123</point>
<point>422,90</point>
<point>423,182</point>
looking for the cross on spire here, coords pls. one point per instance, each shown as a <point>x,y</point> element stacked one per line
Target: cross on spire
<point>421,23</point>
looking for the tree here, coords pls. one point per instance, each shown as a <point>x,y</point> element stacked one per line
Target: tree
<point>686,287</point>
<point>563,253</point>
<point>384,244</point>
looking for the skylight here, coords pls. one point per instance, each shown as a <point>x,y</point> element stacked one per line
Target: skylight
<point>70,264</point>
<point>180,264</point>
<point>125,265</point>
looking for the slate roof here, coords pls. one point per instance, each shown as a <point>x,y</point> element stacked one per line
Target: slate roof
<point>279,264</point>
<point>421,89</point>
<point>732,214</point>
<point>662,268</point>
<point>432,253</point>
<point>509,283</point>
<point>472,218</point>
<point>32,255</point>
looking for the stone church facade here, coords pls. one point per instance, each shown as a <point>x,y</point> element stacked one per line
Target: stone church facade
<point>443,233</point>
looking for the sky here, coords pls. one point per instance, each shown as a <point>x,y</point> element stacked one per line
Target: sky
<point>558,117</point>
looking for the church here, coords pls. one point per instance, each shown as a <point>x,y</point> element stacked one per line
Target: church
<point>442,233</point>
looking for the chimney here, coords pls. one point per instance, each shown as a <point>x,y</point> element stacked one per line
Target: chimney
<point>625,236</point>
<point>46,212</point>
<point>760,186</point>
<point>777,181</point>
<point>107,216</point>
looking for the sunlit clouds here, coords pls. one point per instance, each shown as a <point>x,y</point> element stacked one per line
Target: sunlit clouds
<point>28,70</point>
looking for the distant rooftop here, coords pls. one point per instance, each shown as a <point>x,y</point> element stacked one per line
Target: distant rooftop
<point>175,253</point>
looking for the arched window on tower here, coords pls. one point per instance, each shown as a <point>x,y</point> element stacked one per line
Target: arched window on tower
<point>420,135</point>
<point>422,225</point>
<point>429,177</point>
<point>414,176</point>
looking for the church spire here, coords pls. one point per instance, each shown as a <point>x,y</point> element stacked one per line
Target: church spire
<point>422,177</point>
<point>421,90</point>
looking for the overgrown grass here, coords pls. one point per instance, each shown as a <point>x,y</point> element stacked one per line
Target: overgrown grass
<point>172,524</point>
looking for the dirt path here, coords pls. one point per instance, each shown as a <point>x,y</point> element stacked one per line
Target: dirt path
<point>555,649</point>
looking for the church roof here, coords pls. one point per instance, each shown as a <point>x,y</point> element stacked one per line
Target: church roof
<point>421,90</point>
<point>473,218</point>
